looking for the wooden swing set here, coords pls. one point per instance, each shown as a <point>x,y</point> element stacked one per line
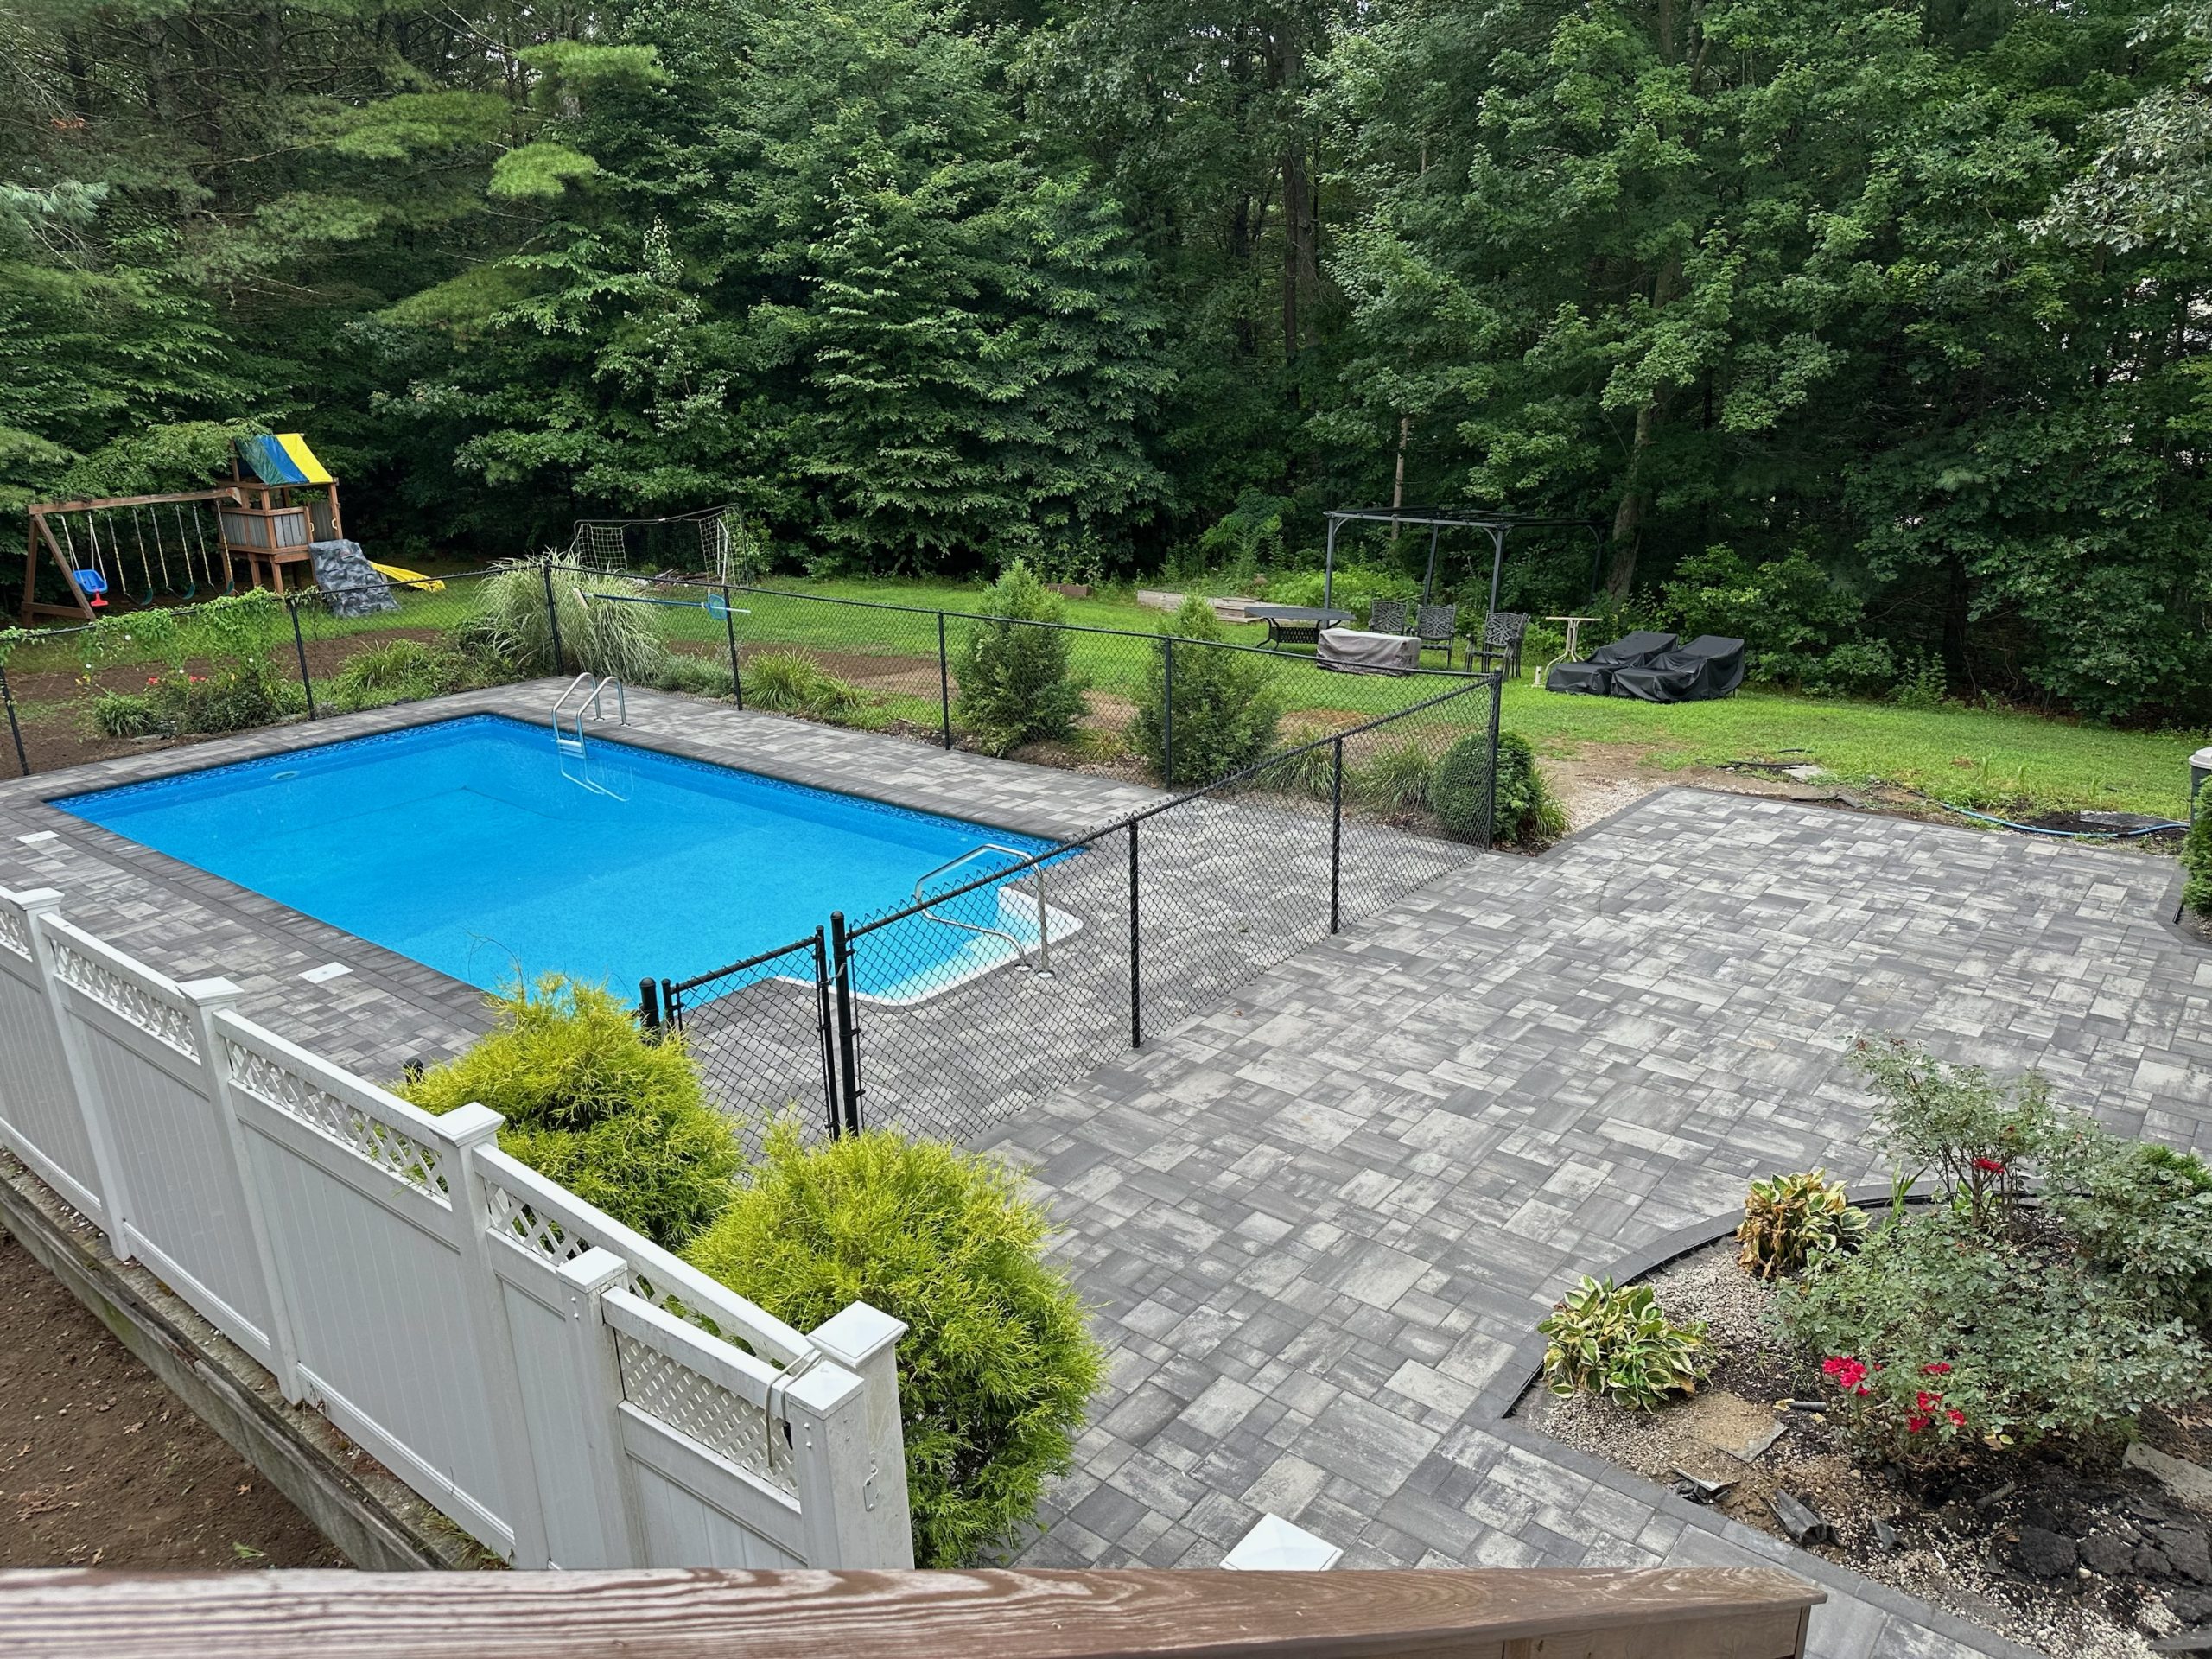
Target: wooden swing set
<point>144,548</point>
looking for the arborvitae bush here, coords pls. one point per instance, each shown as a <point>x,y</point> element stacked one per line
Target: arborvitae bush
<point>1226,703</point>
<point>1017,682</point>
<point>998,1364</point>
<point>590,1102</point>
<point>2196,863</point>
<point>1526,814</point>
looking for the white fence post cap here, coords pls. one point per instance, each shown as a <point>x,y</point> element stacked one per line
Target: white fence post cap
<point>1276,1545</point>
<point>856,1334</point>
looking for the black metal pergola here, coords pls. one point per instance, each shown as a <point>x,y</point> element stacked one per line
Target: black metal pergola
<point>1437,520</point>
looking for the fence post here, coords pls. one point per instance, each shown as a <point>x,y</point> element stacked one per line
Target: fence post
<point>827,1409</point>
<point>38,905</point>
<point>299,645</point>
<point>15,727</point>
<point>649,1008</point>
<point>552,615</point>
<point>849,1048</point>
<point>943,682</point>
<point>595,1373</point>
<point>1136,1000</point>
<point>1167,713</point>
<point>469,1129</point>
<point>1490,790</point>
<point>210,997</point>
<point>729,626</point>
<point>865,1341</point>
<point>1336,832</point>
<point>826,1032</point>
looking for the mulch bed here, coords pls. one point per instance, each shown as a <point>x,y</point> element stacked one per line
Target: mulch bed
<point>2071,1552</point>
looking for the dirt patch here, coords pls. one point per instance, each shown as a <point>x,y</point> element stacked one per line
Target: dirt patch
<point>906,676</point>
<point>2078,1556</point>
<point>100,1464</point>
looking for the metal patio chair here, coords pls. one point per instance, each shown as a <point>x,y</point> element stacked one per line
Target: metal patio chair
<point>1389,616</point>
<point>1438,624</point>
<point>1500,647</point>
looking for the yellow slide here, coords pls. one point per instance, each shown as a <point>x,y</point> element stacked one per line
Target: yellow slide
<point>415,579</point>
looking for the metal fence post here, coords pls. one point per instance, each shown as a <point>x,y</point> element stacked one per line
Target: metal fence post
<point>299,645</point>
<point>1490,790</point>
<point>1136,999</point>
<point>827,1032</point>
<point>849,1053</point>
<point>15,727</point>
<point>729,626</point>
<point>1336,832</point>
<point>649,1008</point>
<point>552,615</point>
<point>1167,712</point>
<point>943,682</point>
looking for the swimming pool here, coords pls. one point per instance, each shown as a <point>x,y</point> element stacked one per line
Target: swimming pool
<point>468,845</point>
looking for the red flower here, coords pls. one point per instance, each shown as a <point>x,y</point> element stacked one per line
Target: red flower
<point>1914,1423</point>
<point>1941,1368</point>
<point>1989,1166</point>
<point>1926,1402</point>
<point>1958,1418</point>
<point>1849,1375</point>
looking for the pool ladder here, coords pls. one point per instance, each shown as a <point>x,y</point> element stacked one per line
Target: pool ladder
<point>585,696</point>
<point>1044,968</point>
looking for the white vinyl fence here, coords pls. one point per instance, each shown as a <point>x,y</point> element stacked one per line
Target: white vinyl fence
<point>568,1392</point>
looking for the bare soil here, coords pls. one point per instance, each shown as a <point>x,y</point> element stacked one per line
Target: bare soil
<point>101,1465</point>
<point>2073,1553</point>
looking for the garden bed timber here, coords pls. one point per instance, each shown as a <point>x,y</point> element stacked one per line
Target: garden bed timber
<point>2077,1555</point>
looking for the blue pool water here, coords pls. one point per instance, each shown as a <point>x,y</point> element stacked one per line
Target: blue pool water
<point>464,846</point>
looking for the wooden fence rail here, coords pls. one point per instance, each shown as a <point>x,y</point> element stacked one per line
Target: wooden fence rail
<point>1489,1613</point>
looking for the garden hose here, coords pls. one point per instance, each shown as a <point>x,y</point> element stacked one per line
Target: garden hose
<point>2131,833</point>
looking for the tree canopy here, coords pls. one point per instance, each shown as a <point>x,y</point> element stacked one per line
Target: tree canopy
<point>1882,326</point>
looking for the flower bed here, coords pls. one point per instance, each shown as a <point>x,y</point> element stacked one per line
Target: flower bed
<point>1997,1400</point>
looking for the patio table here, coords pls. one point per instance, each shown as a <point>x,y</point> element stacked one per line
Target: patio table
<point>1295,624</point>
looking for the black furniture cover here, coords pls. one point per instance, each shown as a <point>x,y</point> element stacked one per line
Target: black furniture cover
<point>1594,676</point>
<point>1709,667</point>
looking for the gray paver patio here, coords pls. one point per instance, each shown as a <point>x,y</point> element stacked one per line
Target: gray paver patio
<point>1320,1223</point>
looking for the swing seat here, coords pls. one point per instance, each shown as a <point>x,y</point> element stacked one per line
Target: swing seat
<point>93,586</point>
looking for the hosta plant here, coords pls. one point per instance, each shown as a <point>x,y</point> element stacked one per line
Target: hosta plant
<point>1796,1221</point>
<point>1617,1342</point>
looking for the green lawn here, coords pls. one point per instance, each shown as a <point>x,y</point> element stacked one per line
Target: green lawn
<point>1987,759</point>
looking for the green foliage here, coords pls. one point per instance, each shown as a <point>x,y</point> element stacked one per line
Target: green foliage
<point>1792,1222</point>
<point>1981,1319</point>
<point>1619,1344</point>
<point>126,714</point>
<point>514,622</point>
<point>1978,1138</point>
<point>403,671</point>
<point>998,1364</point>
<point>1225,703</point>
<point>1526,813</point>
<point>2021,1341</point>
<point>1397,780</point>
<point>2197,861</point>
<point>1017,684</point>
<point>590,1102</point>
<point>791,683</point>
<point>1788,613</point>
<point>703,676</point>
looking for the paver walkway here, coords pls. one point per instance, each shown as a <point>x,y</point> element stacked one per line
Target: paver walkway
<point>1320,1222</point>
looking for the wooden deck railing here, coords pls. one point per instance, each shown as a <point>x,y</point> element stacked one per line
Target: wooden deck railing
<point>1591,1613</point>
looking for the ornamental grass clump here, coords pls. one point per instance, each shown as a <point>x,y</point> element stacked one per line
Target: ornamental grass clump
<point>2053,1290</point>
<point>998,1364</point>
<point>590,1102</point>
<point>1618,1342</point>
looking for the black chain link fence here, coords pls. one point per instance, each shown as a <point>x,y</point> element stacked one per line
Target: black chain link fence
<point>1013,975</point>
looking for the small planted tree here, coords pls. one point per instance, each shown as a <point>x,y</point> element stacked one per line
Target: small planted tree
<point>1525,814</point>
<point>998,1364</point>
<point>619,1121</point>
<point>1017,682</point>
<point>1225,703</point>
